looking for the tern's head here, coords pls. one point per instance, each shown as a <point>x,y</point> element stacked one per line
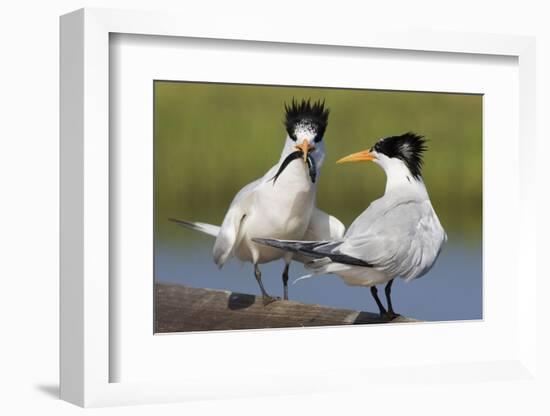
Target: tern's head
<point>306,121</point>
<point>305,124</point>
<point>394,152</point>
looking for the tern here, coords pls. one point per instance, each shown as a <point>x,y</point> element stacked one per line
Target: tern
<point>282,203</point>
<point>398,235</point>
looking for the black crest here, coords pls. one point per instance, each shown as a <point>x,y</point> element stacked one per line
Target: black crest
<point>307,115</point>
<point>408,147</point>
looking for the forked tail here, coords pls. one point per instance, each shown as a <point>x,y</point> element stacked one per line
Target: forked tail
<point>209,229</point>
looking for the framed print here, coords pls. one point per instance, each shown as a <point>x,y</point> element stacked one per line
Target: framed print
<point>164,121</point>
<point>195,178</point>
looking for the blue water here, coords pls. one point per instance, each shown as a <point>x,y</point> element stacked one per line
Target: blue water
<point>452,290</point>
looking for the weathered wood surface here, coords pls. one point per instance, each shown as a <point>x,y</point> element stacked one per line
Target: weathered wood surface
<point>181,308</point>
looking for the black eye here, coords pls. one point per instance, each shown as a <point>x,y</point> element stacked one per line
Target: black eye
<point>318,138</point>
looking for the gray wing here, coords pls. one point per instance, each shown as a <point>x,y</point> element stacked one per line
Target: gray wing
<point>313,249</point>
<point>401,240</point>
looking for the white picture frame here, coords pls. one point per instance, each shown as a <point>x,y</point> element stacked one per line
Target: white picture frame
<point>86,291</point>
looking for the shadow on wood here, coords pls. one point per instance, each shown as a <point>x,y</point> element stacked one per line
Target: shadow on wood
<point>182,309</point>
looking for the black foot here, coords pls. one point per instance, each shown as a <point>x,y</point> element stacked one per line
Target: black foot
<point>267,299</point>
<point>390,316</point>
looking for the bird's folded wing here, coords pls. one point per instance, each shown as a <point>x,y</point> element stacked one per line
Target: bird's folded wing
<point>229,230</point>
<point>314,249</point>
<point>238,209</point>
<point>403,241</point>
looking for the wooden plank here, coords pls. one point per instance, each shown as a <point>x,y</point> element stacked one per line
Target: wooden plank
<point>181,309</point>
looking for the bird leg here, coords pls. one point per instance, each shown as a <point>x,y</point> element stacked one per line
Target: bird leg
<point>285,281</point>
<point>266,297</point>
<point>390,314</point>
<point>374,293</point>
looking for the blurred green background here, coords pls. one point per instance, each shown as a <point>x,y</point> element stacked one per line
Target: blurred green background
<point>212,139</point>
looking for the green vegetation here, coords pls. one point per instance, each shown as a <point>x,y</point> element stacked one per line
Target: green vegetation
<point>212,139</point>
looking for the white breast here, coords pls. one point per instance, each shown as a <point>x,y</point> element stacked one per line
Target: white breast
<point>279,210</point>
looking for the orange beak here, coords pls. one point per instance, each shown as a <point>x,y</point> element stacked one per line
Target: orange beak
<point>305,147</point>
<point>365,155</point>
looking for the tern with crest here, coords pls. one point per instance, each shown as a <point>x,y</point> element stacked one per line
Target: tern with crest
<point>282,203</point>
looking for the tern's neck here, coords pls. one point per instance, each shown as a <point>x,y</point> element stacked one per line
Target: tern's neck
<point>399,179</point>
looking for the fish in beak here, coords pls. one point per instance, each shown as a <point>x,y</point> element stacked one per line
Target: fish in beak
<point>305,147</point>
<point>303,151</point>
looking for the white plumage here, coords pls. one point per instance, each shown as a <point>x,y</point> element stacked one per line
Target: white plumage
<point>285,209</point>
